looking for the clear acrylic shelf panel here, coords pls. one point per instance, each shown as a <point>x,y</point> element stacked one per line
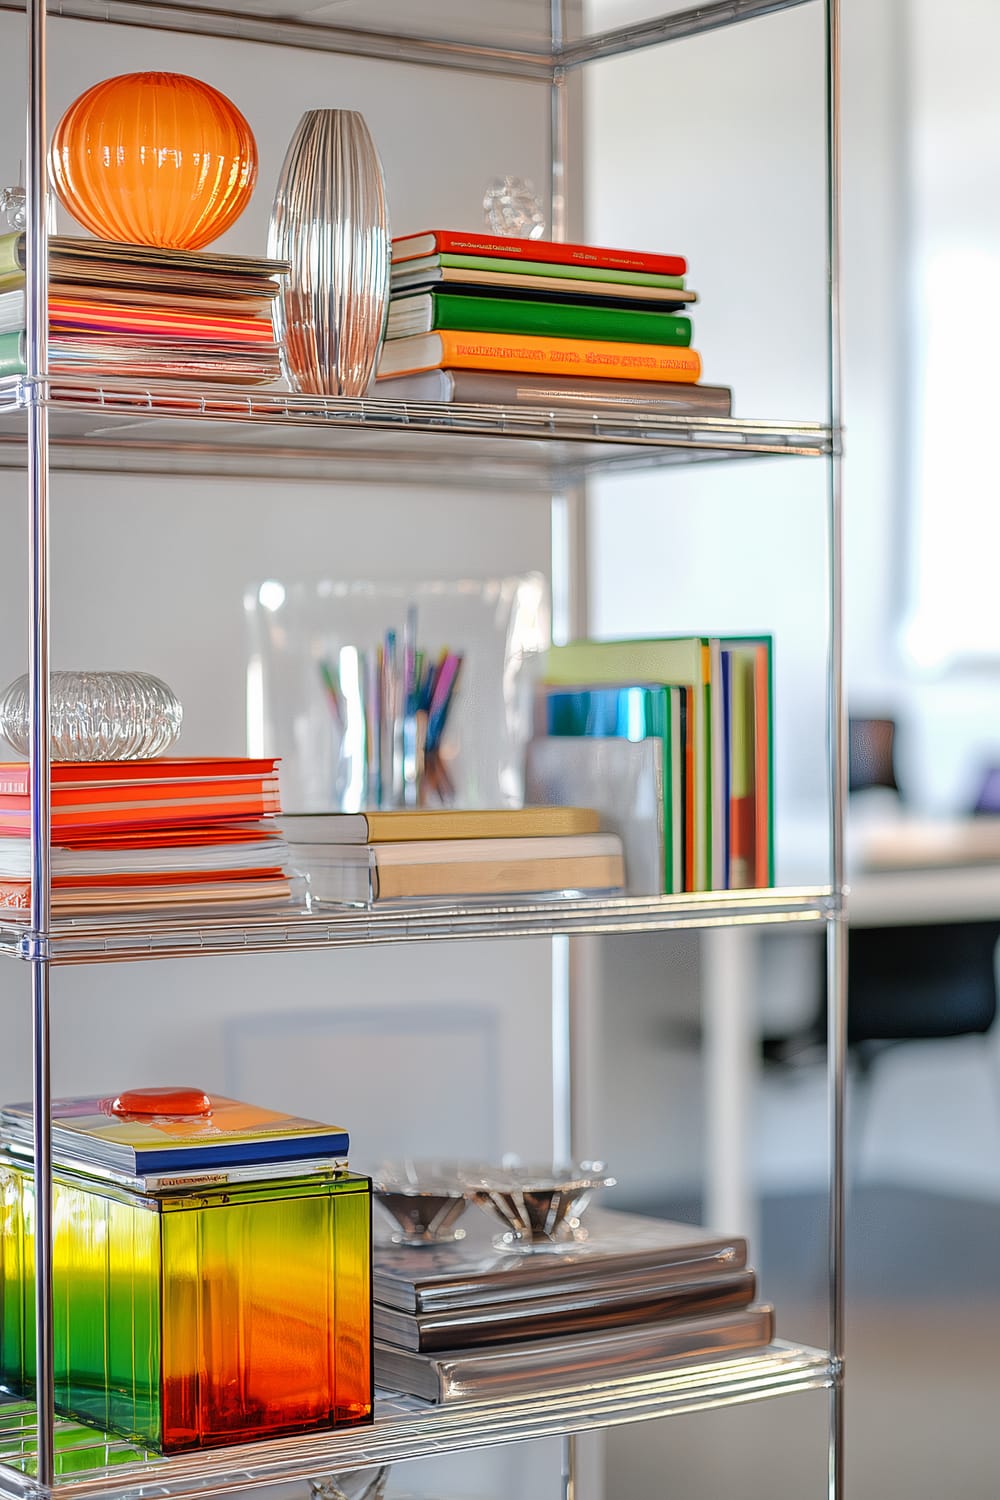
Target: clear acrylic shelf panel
<point>508,37</point>
<point>154,935</point>
<point>99,1468</point>
<point>247,433</point>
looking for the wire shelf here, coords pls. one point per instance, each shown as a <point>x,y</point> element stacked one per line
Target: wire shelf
<point>94,1466</point>
<point>286,929</point>
<point>266,433</point>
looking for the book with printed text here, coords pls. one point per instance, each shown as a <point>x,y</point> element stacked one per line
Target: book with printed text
<point>461,242</point>
<point>539,355</point>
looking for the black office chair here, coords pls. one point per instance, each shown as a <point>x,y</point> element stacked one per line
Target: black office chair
<point>904,984</point>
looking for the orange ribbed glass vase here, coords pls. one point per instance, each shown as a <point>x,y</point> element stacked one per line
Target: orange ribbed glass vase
<point>154,159</point>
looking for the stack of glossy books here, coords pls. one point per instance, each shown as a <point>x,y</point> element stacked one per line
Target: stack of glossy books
<point>671,741</point>
<point>140,312</point>
<point>483,319</point>
<point>452,855</point>
<point>143,835</point>
<point>628,1296</point>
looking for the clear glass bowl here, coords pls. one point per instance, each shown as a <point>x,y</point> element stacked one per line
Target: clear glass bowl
<point>98,716</point>
<point>424,1200</point>
<point>538,1205</point>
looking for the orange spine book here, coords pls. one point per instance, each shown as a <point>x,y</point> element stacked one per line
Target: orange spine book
<point>446,349</point>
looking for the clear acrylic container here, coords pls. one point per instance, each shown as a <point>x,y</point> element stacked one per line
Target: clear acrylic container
<point>312,684</point>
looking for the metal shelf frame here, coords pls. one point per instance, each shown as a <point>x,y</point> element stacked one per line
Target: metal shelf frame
<point>53,423</point>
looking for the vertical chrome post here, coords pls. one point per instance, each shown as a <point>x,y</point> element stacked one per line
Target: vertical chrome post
<point>837,730</point>
<point>37,325</point>
<point>562,570</point>
<point>558,124</point>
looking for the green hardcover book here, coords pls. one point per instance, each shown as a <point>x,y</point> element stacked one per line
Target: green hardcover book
<point>408,269</point>
<point>440,309</point>
<point>684,661</point>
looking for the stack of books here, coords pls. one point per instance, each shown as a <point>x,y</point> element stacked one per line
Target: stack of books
<point>163,1139</point>
<point>465,1321</point>
<point>140,312</point>
<point>671,741</point>
<point>479,319</point>
<point>146,835</point>
<point>360,859</point>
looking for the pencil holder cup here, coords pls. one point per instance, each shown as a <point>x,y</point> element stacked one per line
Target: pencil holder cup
<point>395,695</point>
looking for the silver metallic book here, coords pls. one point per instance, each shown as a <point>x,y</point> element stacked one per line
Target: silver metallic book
<point>583,1311</point>
<point>554,1364</point>
<point>618,1247</point>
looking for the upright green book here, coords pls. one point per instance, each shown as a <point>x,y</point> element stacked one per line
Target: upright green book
<point>475,314</point>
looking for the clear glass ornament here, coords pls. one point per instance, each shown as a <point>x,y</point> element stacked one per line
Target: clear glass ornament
<point>14,209</point>
<point>512,208</point>
<point>98,716</point>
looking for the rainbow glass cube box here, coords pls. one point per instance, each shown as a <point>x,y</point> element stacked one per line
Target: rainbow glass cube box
<point>218,1314</point>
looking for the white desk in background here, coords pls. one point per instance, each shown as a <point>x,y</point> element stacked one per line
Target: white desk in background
<point>921,881</point>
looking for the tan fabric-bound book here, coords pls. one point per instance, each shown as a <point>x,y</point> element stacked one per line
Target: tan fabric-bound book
<point>404,824</point>
<point>460,868</point>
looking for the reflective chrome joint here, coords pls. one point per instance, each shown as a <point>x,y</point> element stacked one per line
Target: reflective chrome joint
<point>34,947</point>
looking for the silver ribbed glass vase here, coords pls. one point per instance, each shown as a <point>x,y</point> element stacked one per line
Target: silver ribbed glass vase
<point>331,221</point>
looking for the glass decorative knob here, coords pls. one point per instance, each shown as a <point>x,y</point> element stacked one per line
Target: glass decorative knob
<point>512,208</point>
<point>98,716</point>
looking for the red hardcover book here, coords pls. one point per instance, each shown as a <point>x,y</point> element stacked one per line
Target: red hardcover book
<point>457,242</point>
<point>118,773</point>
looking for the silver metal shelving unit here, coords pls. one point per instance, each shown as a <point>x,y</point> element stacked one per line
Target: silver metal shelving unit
<point>48,423</point>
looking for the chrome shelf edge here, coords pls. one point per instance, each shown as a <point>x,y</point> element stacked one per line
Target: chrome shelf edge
<point>533,64</point>
<point>142,936</point>
<point>405,1428</point>
<point>241,433</point>
<point>639,35</point>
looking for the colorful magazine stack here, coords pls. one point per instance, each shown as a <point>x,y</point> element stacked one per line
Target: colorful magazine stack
<point>143,835</point>
<point>360,859</point>
<point>484,319</point>
<point>671,741</point>
<point>140,312</point>
<point>466,1321</point>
